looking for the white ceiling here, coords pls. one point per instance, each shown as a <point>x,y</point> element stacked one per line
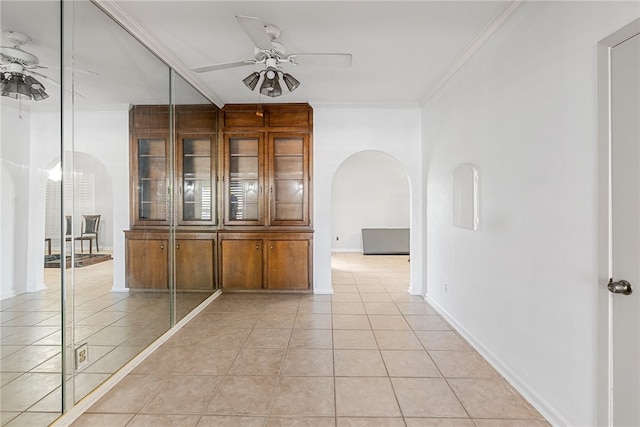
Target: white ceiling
<point>400,49</point>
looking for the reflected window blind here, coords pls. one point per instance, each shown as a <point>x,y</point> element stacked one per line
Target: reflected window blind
<point>84,198</point>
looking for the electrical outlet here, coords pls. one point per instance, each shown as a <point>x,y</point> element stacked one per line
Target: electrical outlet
<point>445,288</point>
<point>82,356</point>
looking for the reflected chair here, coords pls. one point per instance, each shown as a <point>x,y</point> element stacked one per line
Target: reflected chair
<point>67,230</point>
<point>89,231</point>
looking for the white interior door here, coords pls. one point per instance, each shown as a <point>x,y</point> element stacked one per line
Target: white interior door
<point>625,238</point>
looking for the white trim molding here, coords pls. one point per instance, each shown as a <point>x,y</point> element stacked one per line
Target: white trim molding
<point>492,26</point>
<point>116,12</point>
<point>604,408</point>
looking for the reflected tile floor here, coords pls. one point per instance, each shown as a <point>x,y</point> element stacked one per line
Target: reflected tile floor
<point>369,355</point>
<point>117,326</point>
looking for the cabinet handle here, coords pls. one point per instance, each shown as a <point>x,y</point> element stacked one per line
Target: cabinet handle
<point>271,190</point>
<point>162,247</point>
<point>257,246</point>
<point>178,246</point>
<point>271,247</point>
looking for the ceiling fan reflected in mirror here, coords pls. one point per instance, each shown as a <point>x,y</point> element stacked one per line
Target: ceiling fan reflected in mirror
<point>273,55</point>
<point>17,68</point>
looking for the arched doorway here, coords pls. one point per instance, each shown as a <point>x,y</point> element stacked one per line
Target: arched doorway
<point>370,190</point>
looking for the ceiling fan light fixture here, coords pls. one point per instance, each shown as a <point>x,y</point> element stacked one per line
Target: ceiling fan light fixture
<point>13,85</point>
<point>271,86</point>
<point>291,82</point>
<point>36,89</point>
<point>251,81</point>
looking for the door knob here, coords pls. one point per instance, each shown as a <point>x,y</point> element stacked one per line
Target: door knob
<point>620,287</point>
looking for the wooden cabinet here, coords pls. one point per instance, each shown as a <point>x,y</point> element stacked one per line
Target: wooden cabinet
<point>195,162</point>
<point>275,261</point>
<point>173,170</point>
<point>288,179</point>
<point>147,260</point>
<point>225,194</point>
<point>267,164</point>
<point>195,261</point>
<point>266,235</point>
<point>241,263</point>
<point>196,179</point>
<point>244,179</point>
<point>288,263</point>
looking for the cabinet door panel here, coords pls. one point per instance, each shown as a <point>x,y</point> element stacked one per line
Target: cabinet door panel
<point>150,169</point>
<point>147,264</point>
<point>289,178</point>
<point>241,264</point>
<point>288,264</point>
<point>196,162</point>
<point>194,264</point>
<point>243,179</point>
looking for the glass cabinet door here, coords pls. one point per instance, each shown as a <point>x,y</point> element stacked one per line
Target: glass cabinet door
<point>197,188</point>
<point>243,183</point>
<point>289,179</point>
<point>152,179</point>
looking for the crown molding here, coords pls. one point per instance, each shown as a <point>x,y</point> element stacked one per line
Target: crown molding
<point>113,9</point>
<point>492,26</point>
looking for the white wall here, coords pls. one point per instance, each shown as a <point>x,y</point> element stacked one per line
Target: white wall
<point>103,135</point>
<point>370,190</point>
<point>14,204</point>
<point>342,132</point>
<point>524,287</point>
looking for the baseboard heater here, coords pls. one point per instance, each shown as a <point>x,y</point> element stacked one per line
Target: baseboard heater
<point>385,241</point>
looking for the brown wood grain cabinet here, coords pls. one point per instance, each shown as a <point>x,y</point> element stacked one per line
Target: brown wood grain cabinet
<point>194,162</point>
<point>179,167</point>
<point>241,263</point>
<point>195,262</point>
<point>234,185</point>
<point>267,165</point>
<point>147,256</point>
<point>288,263</point>
<point>270,261</point>
<point>146,261</point>
<point>267,197</point>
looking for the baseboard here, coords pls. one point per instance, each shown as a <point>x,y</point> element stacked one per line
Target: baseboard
<point>357,250</point>
<point>9,295</point>
<point>85,403</point>
<point>533,397</point>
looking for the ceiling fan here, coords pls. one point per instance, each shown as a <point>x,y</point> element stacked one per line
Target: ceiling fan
<point>272,53</point>
<point>17,68</point>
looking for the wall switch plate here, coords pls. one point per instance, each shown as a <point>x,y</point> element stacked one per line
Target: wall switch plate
<point>82,356</point>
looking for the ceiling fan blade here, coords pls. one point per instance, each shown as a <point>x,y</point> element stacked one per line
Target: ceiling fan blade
<point>54,83</point>
<point>223,66</point>
<point>55,67</point>
<point>48,79</point>
<point>323,59</point>
<point>255,30</point>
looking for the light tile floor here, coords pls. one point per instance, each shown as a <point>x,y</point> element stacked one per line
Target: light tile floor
<point>369,355</point>
<point>117,326</point>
